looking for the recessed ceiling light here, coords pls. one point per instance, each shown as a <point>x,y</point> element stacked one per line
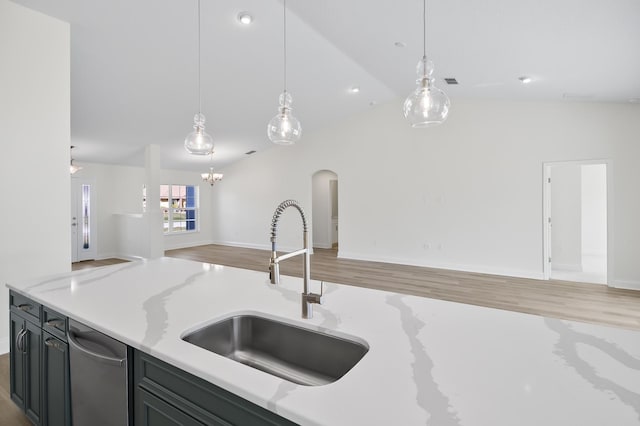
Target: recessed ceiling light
<point>400,44</point>
<point>245,18</point>
<point>354,89</point>
<point>525,80</point>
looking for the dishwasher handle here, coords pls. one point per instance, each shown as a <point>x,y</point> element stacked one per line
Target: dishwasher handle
<point>98,356</point>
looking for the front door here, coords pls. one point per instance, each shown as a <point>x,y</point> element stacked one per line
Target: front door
<point>83,223</point>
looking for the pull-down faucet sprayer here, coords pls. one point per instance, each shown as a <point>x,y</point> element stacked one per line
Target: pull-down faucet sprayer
<point>308,298</point>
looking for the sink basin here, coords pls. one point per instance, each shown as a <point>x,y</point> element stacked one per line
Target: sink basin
<point>293,353</point>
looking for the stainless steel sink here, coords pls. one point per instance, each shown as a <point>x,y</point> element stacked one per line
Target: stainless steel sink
<point>296,354</point>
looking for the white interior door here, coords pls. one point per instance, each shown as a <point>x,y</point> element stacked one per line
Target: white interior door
<point>576,225</point>
<point>83,223</point>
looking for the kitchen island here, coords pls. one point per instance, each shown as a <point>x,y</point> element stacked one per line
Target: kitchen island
<point>429,361</point>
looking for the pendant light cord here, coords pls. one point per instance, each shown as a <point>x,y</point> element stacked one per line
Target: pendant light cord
<point>284,40</point>
<point>424,28</point>
<point>199,65</point>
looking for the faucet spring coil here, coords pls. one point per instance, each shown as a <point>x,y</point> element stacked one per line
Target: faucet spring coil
<point>279,210</point>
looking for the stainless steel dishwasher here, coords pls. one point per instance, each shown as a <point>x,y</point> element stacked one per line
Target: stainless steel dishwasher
<point>98,369</point>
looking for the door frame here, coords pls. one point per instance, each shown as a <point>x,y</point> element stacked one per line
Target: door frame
<point>76,183</point>
<point>546,212</point>
<point>327,217</point>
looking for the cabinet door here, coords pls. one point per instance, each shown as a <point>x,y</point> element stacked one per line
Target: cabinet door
<point>17,359</point>
<point>55,375</point>
<point>33,360</point>
<point>152,411</point>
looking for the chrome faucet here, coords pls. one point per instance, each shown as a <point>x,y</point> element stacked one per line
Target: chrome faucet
<point>308,298</point>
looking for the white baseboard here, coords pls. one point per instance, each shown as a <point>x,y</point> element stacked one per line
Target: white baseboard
<point>187,244</point>
<point>257,246</point>
<point>323,245</point>
<point>122,256</point>
<point>449,266</point>
<point>536,275</point>
<point>4,345</point>
<point>116,256</point>
<point>130,258</point>
<point>243,245</point>
<point>625,284</point>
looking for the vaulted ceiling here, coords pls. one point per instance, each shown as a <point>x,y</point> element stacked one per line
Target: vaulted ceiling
<point>134,63</point>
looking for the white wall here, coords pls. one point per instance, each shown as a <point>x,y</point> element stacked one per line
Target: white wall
<point>465,195</point>
<point>119,199</point>
<point>566,216</point>
<point>34,166</point>
<point>594,209</point>
<point>321,206</point>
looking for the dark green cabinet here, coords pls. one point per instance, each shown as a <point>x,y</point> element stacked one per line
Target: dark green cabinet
<point>26,366</point>
<point>55,381</point>
<point>157,412</point>
<point>33,372</point>
<point>39,357</point>
<point>166,395</point>
<point>159,393</point>
<point>17,374</point>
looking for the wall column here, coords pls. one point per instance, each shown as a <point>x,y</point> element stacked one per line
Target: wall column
<point>154,244</point>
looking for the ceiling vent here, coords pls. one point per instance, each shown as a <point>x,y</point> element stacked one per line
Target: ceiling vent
<point>451,80</point>
<point>253,151</point>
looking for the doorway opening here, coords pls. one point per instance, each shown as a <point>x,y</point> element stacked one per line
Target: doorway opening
<point>83,223</point>
<point>576,209</point>
<point>324,202</point>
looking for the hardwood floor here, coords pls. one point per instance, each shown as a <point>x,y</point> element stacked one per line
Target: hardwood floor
<point>10,414</point>
<point>558,299</point>
<point>86,264</point>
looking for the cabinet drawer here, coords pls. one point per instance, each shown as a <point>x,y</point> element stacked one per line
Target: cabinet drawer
<point>25,307</point>
<point>55,381</point>
<point>197,397</point>
<point>55,323</point>
<point>154,411</point>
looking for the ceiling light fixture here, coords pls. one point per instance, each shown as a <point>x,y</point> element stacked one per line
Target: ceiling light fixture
<point>427,105</point>
<point>199,142</point>
<point>525,80</point>
<point>284,128</point>
<point>72,167</point>
<point>211,178</point>
<point>354,89</point>
<point>245,18</point>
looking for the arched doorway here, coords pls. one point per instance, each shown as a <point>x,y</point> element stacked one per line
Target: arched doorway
<point>324,202</point>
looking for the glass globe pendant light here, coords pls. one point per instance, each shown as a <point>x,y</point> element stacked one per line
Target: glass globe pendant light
<point>284,128</point>
<point>199,142</point>
<point>427,105</point>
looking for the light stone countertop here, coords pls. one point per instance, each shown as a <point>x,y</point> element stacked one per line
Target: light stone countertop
<point>430,362</point>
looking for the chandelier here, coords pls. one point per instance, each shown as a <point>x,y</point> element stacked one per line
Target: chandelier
<point>211,178</point>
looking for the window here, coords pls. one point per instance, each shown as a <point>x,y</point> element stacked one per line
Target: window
<point>179,205</point>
